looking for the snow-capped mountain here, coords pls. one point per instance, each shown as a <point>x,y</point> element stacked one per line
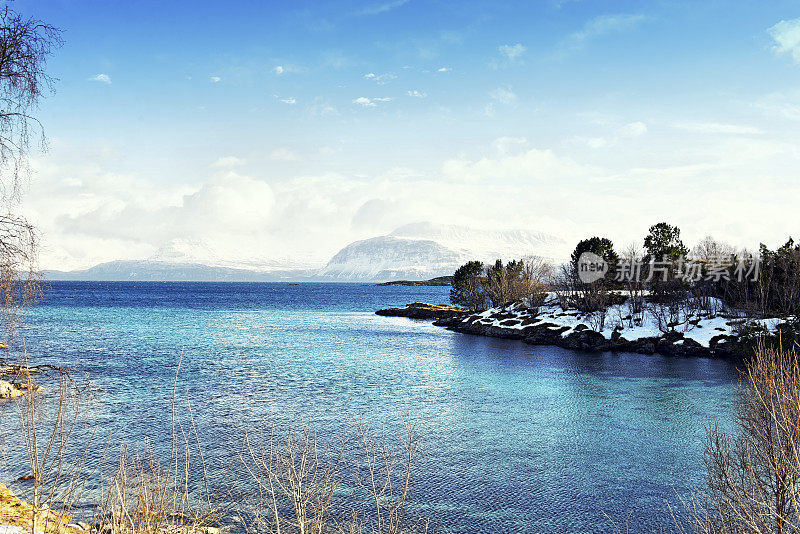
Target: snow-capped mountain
<point>423,250</point>
<point>486,245</point>
<point>162,271</point>
<point>391,258</point>
<point>412,252</point>
<point>219,254</point>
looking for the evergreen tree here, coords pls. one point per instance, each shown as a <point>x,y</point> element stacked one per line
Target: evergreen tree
<point>601,246</point>
<point>467,287</point>
<point>664,242</point>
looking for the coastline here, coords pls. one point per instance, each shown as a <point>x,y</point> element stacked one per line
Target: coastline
<point>424,311</point>
<point>17,516</point>
<point>714,336</point>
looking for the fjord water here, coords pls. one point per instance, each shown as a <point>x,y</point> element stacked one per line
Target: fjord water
<point>517,438</point>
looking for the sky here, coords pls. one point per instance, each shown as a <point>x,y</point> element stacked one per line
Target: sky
<point>275,133</point>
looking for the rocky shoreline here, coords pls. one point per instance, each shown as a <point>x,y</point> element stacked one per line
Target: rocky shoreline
<point>712,337</point>
<point>584,338</point>
<point>422,310</point>
<point>438,281</point>
<point>16,516</point>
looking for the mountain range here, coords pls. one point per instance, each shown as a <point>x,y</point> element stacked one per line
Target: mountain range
<point>416,251</point>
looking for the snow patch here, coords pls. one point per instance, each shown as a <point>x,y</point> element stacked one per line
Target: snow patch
<point>699,328</point>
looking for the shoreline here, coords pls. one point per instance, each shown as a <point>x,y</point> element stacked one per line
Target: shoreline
<point>17,515</point>
<point>713,336</point>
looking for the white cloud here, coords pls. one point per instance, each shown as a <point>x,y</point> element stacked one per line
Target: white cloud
<point>717,128</point>
<point>321,107</point>
<point>380,79</point>
<point>214,79</point>
<point>417,94</point>
<point>91,208</point>
<point>504,95</point>
<point>634,129</point>
<point>512,52</point>
<point>337,60</point>
<point>598,27</point>
<point>228,162</point>
<point>283,154</point>
<point>102,78</point>
<point>612,133</point>
<point>780,106</point>
<point>364,101</point>
<point>444,69</point>
<point>290,101</point>
<point>598,142</point>
<point>377,9</point>
<point>283,69</point>
<point>370,102</point>
<point>506,146</point>
<point>786,34</point>
<point>514,166</point>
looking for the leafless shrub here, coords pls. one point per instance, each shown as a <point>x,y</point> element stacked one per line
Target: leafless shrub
<point>48,419</point>
<point>298,482</point>
<point>149,494</point>
<point>597,318</point>
<point>670,316</point>
<point>564,284</point>
<point>387,477</point>
<point>753,481</point>
<point>537,281</point>
<point>295,481</point>
<point>518,280</point>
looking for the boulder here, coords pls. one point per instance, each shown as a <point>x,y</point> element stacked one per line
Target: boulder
<point>422,310</point>
<point>9,390</point>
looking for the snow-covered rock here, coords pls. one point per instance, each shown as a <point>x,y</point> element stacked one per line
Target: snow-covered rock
<point>9,390</point>
<point>701,334</point>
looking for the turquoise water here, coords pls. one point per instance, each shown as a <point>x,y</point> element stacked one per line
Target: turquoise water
<point>517,438</point>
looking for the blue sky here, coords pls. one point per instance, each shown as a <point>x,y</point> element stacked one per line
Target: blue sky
<point>274,132</point>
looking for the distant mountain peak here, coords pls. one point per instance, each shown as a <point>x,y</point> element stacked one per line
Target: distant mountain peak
<point>417,251</point>
<point>425,250</point>
<point>213,254</point>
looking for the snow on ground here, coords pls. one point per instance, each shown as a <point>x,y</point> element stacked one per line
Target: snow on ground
<point>698,326</point>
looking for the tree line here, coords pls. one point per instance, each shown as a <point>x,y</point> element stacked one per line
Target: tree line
<point>663,273</point>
